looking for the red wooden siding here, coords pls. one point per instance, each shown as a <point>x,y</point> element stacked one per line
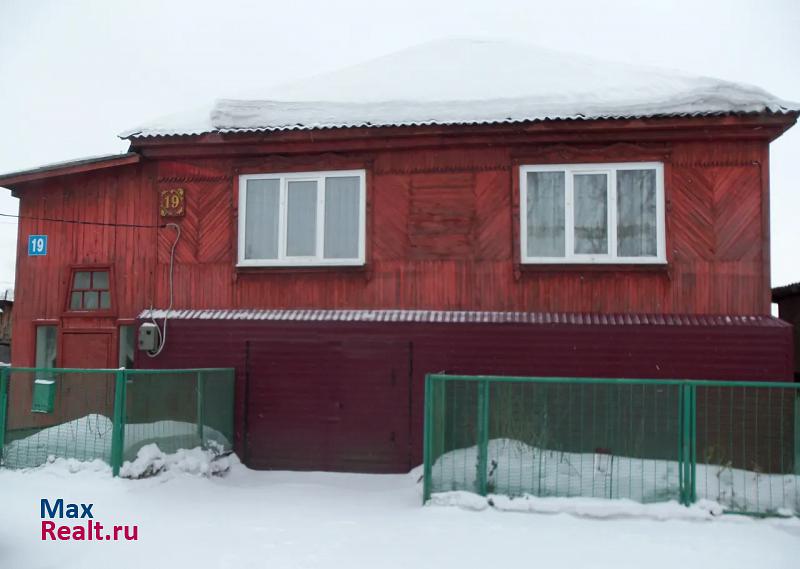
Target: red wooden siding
<point>442,225</point>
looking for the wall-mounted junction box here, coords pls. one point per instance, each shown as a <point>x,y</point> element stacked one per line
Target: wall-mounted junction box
<point>148,336</point>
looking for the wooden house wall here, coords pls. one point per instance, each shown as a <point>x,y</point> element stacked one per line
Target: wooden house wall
<point>442,233</point>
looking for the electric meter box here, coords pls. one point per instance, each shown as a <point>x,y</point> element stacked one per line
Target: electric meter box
<point>148,336</point>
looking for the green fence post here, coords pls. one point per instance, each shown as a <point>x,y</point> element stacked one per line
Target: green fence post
<point>4,374</point>
<point>201,413</point>
<point>427,441</point>
<point>687,452</point>
<point>483,436</point>
<point>693,443</point>
<point>797,432</point>
<point>118,433</point>
<point>680,444</point>
<point>685,444</point>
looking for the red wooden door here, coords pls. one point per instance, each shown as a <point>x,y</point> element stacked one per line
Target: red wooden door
<point>86,350</point>
<point>339,405</point>
<point>83,394</point>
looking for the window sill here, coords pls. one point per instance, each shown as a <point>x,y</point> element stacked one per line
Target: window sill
<point>298,269</point>
<point>89,314</point>
<point>654,267</point>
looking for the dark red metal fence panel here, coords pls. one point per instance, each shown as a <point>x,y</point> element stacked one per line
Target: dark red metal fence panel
<point>349,395</point>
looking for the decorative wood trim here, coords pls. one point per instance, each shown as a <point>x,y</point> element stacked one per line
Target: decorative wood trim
<point>714,163</point>
<point>189,179</point>
<point>369,221</point>
<point>576,154</point>
<point>766,259</point>
<point>516,251</point>
<point>442,170</point>
<point>281,163</point>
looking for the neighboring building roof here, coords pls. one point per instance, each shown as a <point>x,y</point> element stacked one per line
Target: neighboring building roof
<point>68,167</point>
<point>462,81</point>
<point>781,292</point>
<point>467,317</point>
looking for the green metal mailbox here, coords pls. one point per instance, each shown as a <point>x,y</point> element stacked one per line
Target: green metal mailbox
<point>44,395</point>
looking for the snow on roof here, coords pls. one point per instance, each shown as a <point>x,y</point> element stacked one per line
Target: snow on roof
<point>464,81</point>
<point>464,317</point>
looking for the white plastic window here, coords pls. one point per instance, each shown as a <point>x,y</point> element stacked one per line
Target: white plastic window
<point>302,218</point>
<point>592,213</point>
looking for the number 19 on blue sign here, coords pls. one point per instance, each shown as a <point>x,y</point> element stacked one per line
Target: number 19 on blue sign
<point>37,245</point>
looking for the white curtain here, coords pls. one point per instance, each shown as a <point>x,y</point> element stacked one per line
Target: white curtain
<point>591,213</point>
<point>545,214</point>
<point>261,219</point>
<point>301,219</point>
<point>636,213</point>
<point>342,217</point>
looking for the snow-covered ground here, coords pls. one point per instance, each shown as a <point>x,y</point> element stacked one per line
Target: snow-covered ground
<point>515,468</point>
<point>90,437</point>
<point>248,519</point>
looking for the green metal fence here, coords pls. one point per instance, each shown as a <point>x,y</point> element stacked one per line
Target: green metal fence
<point>89,414</point>
<point>736,443</point>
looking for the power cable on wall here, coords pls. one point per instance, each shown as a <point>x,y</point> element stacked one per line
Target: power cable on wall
<point>81,222</point>
<point>161,332</point>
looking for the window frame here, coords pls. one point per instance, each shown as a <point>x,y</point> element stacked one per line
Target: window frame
<point>317,260</point>
<point>73,269</point>
<point>610,169</point>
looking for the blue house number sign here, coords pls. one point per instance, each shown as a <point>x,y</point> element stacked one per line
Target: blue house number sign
<point>37,245</point>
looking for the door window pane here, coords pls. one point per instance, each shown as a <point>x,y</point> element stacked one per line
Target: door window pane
<point>91,300</point>
<point>545,213</point>
<point>301,219</point>
<point>591,213</point>
<point>636,213</point>
<point>127,345</point>
<point>46,346</point>
<point>342,209</point>
<point>100,280</point>
<point>261,221</point>
<point>83,280</point>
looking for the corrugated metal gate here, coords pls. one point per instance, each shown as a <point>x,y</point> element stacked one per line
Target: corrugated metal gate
<point>328,404</point>
<point>344,390</point>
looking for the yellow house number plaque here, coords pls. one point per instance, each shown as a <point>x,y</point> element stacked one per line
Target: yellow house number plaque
<point>172,203</point>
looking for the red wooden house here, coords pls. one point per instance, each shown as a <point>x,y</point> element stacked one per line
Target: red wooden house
<point>461,206</point>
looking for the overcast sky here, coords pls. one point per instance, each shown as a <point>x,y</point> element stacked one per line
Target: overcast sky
<point>73,74</point>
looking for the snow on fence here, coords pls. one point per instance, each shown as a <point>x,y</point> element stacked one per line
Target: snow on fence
<point>90,414</point>
<point>736,443</point>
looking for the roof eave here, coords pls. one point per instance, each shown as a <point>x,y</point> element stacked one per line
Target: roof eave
<point>761,126</point>
<point>16,180</point>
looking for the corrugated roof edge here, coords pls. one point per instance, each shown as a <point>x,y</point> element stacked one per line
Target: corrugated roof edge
<point>469,317</point>
<point>69,167</point>
<point>165,133</point>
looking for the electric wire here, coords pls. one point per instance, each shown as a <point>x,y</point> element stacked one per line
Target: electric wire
<point>82,222</point>
<point>162,333</point>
